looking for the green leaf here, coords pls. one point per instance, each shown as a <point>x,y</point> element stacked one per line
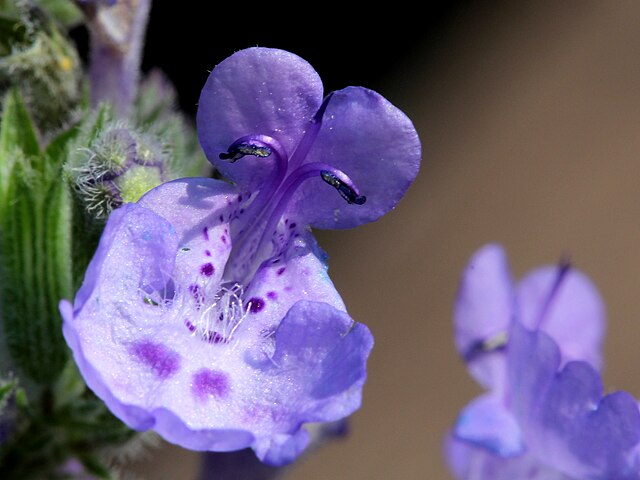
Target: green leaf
<point>17,130</point>
<point>35,244</point>
<point>64,11</point>
<point>35,265</point>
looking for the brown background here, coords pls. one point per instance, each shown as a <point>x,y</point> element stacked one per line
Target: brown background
<point>529,114</point>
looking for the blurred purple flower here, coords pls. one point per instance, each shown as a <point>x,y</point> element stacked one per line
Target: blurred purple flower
<point>536,347</point>
<point>207,313</point>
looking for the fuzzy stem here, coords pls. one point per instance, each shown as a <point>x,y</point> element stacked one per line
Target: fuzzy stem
<point>117,39</point>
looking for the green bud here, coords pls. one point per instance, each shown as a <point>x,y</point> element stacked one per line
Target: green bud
<point>117,164</point>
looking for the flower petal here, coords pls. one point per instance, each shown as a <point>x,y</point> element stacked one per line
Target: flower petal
<point>317,370</point>
<point>200,211</point>
<point>486,422</point>
<point>128,331</point>
<point>282,449</point>
<point>118,269</point>
<point>256,91</point>
<point>371,141</point>
<point>574,317</point>
<point>564,417</point>
<point>299,272</point>
<point>482,313</point>
<point>132,337</point>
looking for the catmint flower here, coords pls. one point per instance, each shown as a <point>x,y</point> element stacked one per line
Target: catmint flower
<point>535,347</point>
<point>207,313</point>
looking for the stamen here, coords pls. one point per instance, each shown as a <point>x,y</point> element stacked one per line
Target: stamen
<point>209,311</point>
<point>239,149</point>
<point>341,182</point>
<point>222,317</point>
<point>347,192</point>
<point>494,343</point>
<point>258,146</point>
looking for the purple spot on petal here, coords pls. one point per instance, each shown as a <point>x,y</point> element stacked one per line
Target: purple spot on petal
<point>190,326</point>
<point>215,338</point>
<point>162,360</point>
<point>272,295</point>
<point>210,383</point>
<point>223,238</point>
<point>205,232</point>
<point>207,269</point>
<point>281,270</point>
<point>255,304</point>
<point>207,253</point>
<point>293,225</point>
<point>221,217</point>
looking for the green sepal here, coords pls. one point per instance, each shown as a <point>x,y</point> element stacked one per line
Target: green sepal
<point>69,387</point>
<point>7,387</point>
<point>95,467</point>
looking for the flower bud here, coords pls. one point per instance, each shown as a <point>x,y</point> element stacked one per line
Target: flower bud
<point>119,165</point>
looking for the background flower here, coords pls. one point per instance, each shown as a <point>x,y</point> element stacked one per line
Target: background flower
<point>535,348</point>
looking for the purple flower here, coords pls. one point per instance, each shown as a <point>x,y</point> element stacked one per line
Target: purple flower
<point>536,346</point>
<point>207,313</point>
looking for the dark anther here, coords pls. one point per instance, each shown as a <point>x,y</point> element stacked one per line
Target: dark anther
<point>237,151</point>
<point>344,190</point>
<point>495,343</point>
